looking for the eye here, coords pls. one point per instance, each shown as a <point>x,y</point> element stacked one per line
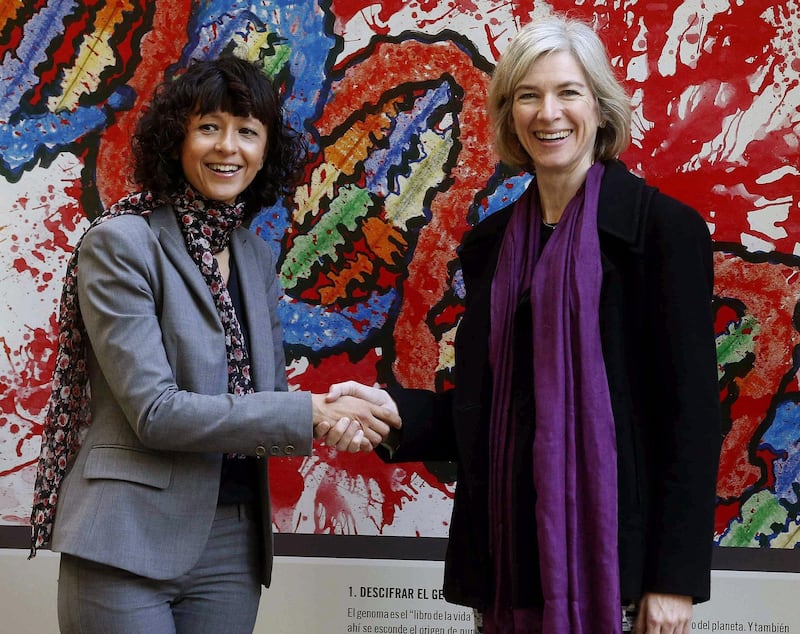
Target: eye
<point>526,96</point>
<point>207,127</point>
<point>248,132</point>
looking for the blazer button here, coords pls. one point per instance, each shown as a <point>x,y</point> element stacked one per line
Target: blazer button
<point>261,451</point>
<point>289,450</point>
<point>274,450</point>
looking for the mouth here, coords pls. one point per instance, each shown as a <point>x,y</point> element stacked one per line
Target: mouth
<point>553,136</point>
<point>223,168</point>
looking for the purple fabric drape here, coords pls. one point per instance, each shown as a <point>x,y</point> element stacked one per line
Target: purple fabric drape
<point>574,450</point>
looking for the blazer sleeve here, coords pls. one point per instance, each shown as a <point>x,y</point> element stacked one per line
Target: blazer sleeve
<point>135,303</point>
<point>684,395</point>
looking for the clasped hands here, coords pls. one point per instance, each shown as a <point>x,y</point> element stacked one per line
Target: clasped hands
<point>354,417</point>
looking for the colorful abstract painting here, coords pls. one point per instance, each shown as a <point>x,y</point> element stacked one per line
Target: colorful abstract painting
<point>391,99</point>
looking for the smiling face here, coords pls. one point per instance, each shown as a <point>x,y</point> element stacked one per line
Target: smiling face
<point>555,116</point>
<point>222,154</point>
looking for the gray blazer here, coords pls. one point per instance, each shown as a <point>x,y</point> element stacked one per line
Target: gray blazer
<point>141,493</point>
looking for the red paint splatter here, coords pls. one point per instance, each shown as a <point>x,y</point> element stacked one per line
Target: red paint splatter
<point>724,192</point>
<point>768,291</point>
<point>159,48</point>
<point>392,65</point>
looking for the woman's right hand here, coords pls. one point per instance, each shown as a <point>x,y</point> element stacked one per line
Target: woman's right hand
<point>363,416</point>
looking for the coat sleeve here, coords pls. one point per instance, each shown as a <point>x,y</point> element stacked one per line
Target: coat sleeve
<point>683,393</point>
<point>427,433</point>
<point>161,353</point>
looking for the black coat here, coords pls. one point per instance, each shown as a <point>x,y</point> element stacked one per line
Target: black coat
<point>658,345</point>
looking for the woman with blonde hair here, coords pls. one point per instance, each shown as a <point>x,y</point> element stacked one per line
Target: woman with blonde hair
<point>584,416</point>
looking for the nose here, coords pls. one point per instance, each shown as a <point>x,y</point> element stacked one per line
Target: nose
<point>550,107</point>
<point>226,142</point>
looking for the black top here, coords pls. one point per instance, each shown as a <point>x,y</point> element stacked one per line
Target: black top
<point>526,584</point>
<point>238,479</point>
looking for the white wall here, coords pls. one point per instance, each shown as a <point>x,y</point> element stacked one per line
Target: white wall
<point>333,596</point>
<point>308,596</point>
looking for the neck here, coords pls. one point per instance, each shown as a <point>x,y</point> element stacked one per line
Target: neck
<point>224,262</point>
<point>556,189</point>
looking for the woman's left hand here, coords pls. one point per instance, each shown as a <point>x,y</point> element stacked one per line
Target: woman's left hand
<point>664,614</point>
<point>362,420</point>
<point>344,435</point>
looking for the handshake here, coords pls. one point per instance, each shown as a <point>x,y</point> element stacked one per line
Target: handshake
<point>354,417</point>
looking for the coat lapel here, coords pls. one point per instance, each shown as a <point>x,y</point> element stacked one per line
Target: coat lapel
<point>623,205</point>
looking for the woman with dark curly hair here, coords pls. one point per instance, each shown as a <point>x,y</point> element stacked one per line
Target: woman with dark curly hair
<point>170,389</point>
<point>232,86</point>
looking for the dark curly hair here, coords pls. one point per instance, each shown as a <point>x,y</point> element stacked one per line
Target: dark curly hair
<point>228,84</point>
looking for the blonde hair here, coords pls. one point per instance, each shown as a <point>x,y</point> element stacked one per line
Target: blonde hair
<point>550,34</point>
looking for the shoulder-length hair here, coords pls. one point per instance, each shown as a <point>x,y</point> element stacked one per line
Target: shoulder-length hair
<point>546,35</point>
<point>228,84</point>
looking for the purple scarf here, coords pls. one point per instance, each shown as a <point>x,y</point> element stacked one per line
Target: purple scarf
<point>206,226</point>
<point>574,450</point>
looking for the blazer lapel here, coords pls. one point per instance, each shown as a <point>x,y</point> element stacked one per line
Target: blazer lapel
<point>254,299</point>
<point>165,226</point>
<point>251,280</point>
